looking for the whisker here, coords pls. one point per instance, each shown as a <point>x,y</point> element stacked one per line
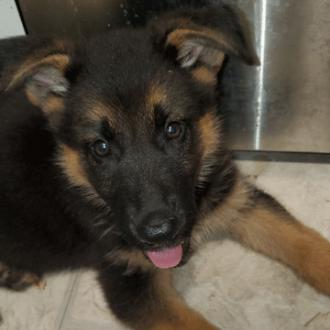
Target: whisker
<point>117,233</point>
<point>100,223</point>
<point>103,214</point>
<point>113,253</point>
<point>106,232</point>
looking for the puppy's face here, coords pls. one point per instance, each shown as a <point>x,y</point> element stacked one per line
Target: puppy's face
<point>137,132</point>
<point>134,116</point>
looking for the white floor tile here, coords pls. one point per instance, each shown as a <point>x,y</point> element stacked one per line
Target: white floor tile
<point>36,309</point>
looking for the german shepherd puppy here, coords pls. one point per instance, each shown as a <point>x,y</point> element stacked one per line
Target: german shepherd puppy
<point>112,157</point>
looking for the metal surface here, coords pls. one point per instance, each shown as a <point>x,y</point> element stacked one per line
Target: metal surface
<point>10,21</point>
<point>284,105</point>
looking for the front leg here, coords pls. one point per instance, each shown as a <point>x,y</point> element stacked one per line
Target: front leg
<point>258,221</point>
<point>268,228</point>
<point>148,301</point>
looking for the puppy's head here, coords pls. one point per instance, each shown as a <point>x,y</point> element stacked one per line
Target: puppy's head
<point>133,113</point>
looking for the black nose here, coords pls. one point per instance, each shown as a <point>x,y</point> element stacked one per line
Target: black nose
<point>158,227</point>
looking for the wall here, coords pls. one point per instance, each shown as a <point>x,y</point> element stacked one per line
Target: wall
<point>10,22</point>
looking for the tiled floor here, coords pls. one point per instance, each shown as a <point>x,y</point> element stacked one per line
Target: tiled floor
<point>235,288</point>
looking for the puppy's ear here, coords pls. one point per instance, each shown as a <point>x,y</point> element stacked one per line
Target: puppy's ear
<point>41,68</point>
<point>199,39</point>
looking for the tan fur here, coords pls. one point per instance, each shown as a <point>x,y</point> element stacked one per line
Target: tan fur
<point>31,97</point>
<point>53,104</point>
<point>205,75</point>
<point>177,315</point>
<point>157,95</point>
<point>133,259</point>
<point>215,224</point>
<point>210,141</point>
<point>180,35</point>
<point>167,309</point>
<point>32,279</point>
<point>70,162</point>
<point>55,49</point>
<point>210,134</point>
<point>270,230</point>
<point>281,237</point>
<point>98,111</point>
<point>19,278</point>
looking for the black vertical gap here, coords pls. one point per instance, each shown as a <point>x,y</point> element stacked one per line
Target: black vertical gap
<point>21,16</point>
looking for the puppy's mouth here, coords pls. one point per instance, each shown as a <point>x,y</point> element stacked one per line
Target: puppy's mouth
<point>167,257</point>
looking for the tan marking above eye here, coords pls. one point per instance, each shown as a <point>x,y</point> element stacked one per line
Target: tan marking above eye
<point>97,110</point>
<point>157,95</point>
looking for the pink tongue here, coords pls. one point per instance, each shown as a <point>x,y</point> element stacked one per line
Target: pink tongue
<point>167,258</point>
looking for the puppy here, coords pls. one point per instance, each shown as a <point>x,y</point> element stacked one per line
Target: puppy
<point>112,157</point>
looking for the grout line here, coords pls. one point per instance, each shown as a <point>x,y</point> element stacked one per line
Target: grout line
<point>71,294</point>
<point>311,320</point>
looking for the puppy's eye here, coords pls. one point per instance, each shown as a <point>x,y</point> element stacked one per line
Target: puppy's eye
<point>174,130</point>
<point>101,148</point>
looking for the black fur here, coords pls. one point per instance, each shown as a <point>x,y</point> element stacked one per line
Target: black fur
<point>49,223</point>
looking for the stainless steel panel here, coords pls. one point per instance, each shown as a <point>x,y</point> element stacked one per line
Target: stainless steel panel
<point>284,105</point>
<point>10,21</point>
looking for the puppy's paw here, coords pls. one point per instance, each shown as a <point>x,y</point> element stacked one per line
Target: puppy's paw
<point>18,280</point>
